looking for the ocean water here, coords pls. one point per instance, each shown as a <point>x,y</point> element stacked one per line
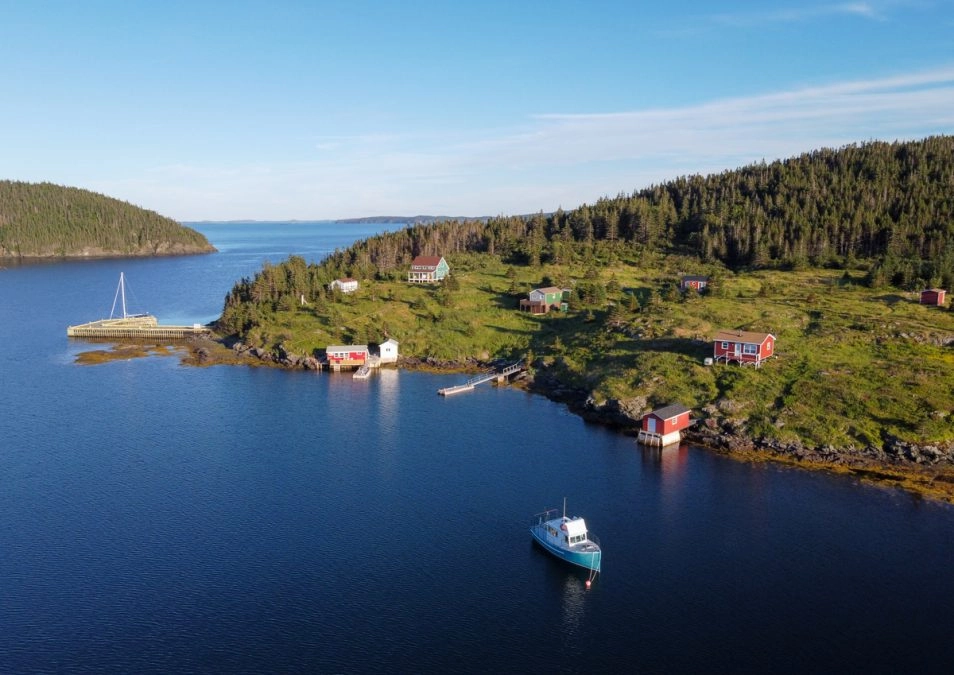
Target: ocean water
<point>161,518</point>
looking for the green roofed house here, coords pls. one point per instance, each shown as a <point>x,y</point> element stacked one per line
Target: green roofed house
<point>428,269</point>
<point>542,300</point>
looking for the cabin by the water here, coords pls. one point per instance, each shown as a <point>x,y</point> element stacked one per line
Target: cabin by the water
<point>664,426</point>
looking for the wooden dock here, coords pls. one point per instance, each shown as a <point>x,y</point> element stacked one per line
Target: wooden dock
<point>142,327</point>
<point>501,376</point>
<point>133,326</point>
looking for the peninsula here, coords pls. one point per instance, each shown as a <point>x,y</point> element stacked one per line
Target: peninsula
<point>827,252</point>
<point>42,220</point>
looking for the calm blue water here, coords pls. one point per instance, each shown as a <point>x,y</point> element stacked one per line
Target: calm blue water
<point>161,518</point>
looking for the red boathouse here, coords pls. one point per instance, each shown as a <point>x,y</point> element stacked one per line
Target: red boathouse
<point>663,426</point>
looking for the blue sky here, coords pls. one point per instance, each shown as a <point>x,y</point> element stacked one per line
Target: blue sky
<point>319,110</point>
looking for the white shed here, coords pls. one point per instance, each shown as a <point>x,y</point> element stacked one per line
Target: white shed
<point>389,351</point>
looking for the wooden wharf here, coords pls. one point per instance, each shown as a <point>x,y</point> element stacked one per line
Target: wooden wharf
<point>144,327</point>
<point>133,326</point>
<point>500,376</point>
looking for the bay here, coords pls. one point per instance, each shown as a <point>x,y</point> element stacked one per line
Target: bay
<point>161,518</point>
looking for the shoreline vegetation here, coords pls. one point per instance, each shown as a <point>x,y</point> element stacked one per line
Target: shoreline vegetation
<point>42,221</point>
<point>827,251</point>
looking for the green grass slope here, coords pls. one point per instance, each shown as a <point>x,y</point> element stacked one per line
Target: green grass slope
<point>853,364</point>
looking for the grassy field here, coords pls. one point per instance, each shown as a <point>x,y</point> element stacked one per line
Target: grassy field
<point>852,364</point>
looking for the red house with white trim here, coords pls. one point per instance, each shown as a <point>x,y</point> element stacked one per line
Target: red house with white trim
<point>932,296</point>
<point>743,347</point>
<point>663,426</point>
<point>349,356</point>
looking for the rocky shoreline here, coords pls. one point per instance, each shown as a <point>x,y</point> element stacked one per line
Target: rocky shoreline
<point>926,470</point>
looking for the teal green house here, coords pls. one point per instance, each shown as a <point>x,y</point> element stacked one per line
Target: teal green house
<point>542,300</point>
<point>428,269</point>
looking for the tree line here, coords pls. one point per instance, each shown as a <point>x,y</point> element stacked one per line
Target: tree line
<point>887,208</point>
<point>46,220</point>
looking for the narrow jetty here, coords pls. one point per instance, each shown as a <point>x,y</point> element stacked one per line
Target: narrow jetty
<point>500,376</point>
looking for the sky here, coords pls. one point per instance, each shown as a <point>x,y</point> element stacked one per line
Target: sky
<point>315,110</point>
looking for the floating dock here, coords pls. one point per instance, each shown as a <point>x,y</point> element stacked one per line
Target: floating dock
<point>142,327</point>
<point>469,385</point>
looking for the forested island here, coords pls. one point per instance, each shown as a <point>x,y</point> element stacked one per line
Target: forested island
<point>42,220</point>
<point>827,251</point>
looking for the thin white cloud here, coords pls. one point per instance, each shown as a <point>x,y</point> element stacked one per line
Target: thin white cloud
<point>554,159</point>
<point>797,14</point>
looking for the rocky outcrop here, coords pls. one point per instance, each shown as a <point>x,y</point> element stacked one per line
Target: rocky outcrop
<point>279,357</point>
<point>729,436</point>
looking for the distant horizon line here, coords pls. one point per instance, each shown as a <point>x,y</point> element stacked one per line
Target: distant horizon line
<point>361,219</point>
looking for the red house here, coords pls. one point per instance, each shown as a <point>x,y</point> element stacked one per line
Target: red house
<point>743,347</point>
<point>663,426</point>
<point>932,296</point>
<point>350,356</point>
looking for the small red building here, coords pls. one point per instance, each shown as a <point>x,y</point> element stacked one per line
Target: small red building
<point>349,356</point>
<point>932,296</point>
<point>743,347</point>
<point>693,281</point>
<point>663,426</point>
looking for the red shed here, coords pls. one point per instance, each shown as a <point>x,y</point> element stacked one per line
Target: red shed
<point>693,281</point>
<point>932,296</point>
<point>662,426</point>
<point>743,347</point>
<point>346,355</point>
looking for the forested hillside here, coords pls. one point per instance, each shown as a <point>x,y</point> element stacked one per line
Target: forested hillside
<point>44,220</point>
<point>890,205</point>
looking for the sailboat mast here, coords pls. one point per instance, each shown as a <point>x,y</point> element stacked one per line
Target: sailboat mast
<point>122,285</point>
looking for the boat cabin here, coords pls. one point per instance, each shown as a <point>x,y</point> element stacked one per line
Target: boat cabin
<point>575,529</point>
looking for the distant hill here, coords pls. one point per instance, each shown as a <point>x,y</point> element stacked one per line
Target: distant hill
<point>42,220</point>
<point>413,220</point>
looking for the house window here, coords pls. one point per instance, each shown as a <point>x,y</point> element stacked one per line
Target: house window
<point>750,349</point>
<point>725,345</point>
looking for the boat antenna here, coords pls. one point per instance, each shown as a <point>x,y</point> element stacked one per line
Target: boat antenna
<point>564,508</point>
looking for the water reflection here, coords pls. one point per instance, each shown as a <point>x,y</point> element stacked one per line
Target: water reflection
<point>670,460</point>
<point>573,598</point>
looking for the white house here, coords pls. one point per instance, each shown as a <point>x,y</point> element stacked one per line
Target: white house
<point>388,351</point>
<point>345,285</point>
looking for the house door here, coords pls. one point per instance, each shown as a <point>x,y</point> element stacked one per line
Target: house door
<point>651,423</point>
<point>737,349</point>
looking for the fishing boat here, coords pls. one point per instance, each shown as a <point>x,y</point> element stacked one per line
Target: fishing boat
<point>567,538</point>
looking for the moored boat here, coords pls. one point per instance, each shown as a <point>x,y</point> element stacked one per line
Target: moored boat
<point>566,538</point>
